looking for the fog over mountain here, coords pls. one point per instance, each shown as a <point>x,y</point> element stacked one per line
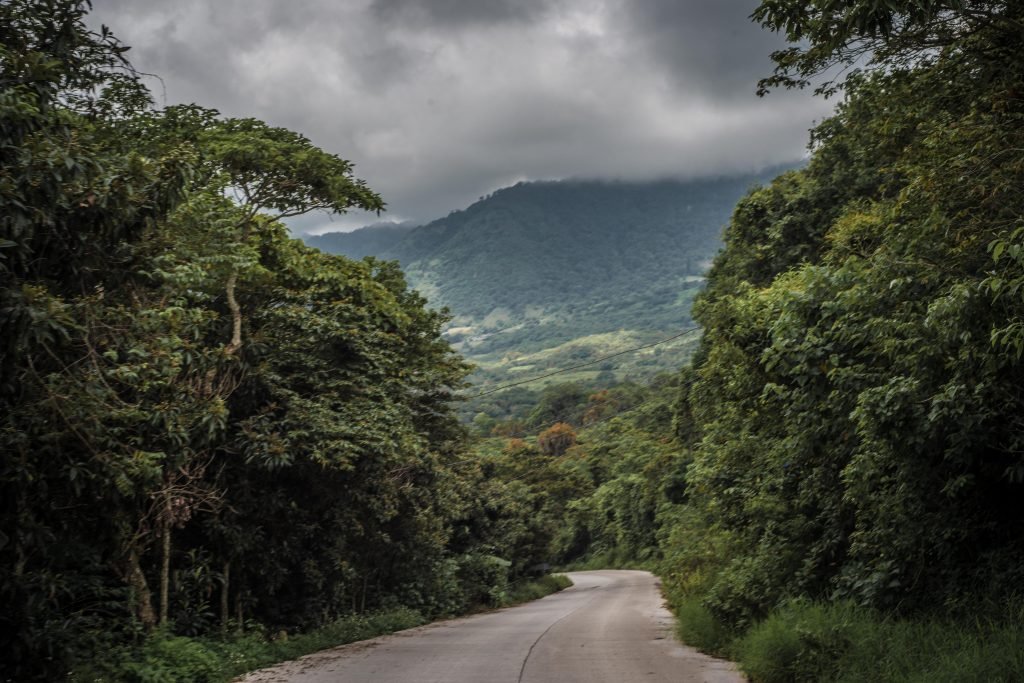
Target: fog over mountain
<point>440,102</point>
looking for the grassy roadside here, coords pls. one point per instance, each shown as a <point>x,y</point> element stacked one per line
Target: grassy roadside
<point>609,560</point>
<point>839,642</point>
<point>534,590</point>
<point>165,658</point>
<point>843,643</point>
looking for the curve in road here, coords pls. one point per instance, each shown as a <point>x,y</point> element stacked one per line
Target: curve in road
<point>611,626</point>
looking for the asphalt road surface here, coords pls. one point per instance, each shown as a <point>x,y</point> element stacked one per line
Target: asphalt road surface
<point>610,626</point>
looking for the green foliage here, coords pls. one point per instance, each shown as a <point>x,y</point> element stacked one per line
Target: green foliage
<point>166,658</point>
<point>205,425</point>
<point>594,498</point>
<point>559,403</point>
<point>534,590</point>
<point>806,641</point>
<point>537,273</point>
<point>857,391</point>
<point>698,627</point>
<point>901,33</point>
<point>282,172</point>
<point>171,659</point>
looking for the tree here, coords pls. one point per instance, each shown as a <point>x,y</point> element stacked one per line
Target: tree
<point>559,403</point>
<point>556,439</point>
<point>898,34</point>
<point>857,386</point>
<point>139,441</point>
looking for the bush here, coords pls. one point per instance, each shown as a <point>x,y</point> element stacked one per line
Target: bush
<point>165,659</point>
<point>534,590</point>
<point>698,627</point>
<point>804,641</point>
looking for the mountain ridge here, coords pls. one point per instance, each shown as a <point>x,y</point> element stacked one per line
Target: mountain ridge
<point>538,264</point>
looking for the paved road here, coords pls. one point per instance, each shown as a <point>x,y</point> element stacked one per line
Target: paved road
<point>610,627</point>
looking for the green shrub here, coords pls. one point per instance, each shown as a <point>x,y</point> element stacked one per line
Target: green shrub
<point>804,641</point>
<point>937,651</point>
<point>698,627</point>
<point>534,590</point>
<point>165,659</point>
<point>839,642</point>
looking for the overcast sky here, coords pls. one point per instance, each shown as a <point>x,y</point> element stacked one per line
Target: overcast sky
<point>438,102</point>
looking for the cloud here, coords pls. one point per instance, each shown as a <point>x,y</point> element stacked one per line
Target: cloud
<point>438,102</point>
<point>708,47</point>
<point>445,14</point>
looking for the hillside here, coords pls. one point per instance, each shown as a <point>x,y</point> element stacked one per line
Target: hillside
<point>538,265</point>
<point>372,240</point>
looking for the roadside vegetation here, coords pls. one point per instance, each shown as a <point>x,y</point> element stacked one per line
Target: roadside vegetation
<point>165,656</point>
<point>834,491</point>
<point>216,439</point>
<point>209,432</point>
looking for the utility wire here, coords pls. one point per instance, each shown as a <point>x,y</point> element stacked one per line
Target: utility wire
<point>583,365</point>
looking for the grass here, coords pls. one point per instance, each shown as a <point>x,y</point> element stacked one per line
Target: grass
<point>840,642</point>
<point>843,643</point>
<point>497,367</point>
<point>165,658</point>
<point>533,590</point>
<point>609,559</point>
<point>696,626</point>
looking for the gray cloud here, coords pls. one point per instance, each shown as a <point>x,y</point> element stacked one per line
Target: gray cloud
<point>438,102</point>
<point>707,46</point>
<point>446,14</point>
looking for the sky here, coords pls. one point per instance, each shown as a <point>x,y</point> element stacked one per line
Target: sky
<point>439,102</point>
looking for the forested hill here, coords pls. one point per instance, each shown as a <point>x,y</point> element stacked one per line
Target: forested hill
<point>535,244</point>
<point>373,240</point>
<point>596,265</point>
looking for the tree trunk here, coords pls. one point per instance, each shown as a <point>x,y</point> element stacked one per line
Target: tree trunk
<point>21,556</point>
<point>165,563</point>
<point>225,609</point>
<point>142,599</point>
<point>238,611</point>
<point>236,311</point>
<point>236,315</point>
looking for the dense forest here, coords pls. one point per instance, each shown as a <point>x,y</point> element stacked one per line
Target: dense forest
<point>842,496</point>
<point>859,390</point>
<point>206,427</point>
<point>212,433</point>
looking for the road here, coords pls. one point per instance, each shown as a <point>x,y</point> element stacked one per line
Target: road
<point>610,626</point>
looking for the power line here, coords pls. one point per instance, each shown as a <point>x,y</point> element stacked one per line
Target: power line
<point>583,365</point>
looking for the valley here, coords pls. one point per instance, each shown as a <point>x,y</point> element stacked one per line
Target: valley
<point>542,276</point>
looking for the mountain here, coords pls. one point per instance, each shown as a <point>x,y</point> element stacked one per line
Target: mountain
<point>544,274</point>
<point>369,241</point>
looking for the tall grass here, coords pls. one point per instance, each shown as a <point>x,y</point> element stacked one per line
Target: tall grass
<point>843,643</point>
<point>533,590</point>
